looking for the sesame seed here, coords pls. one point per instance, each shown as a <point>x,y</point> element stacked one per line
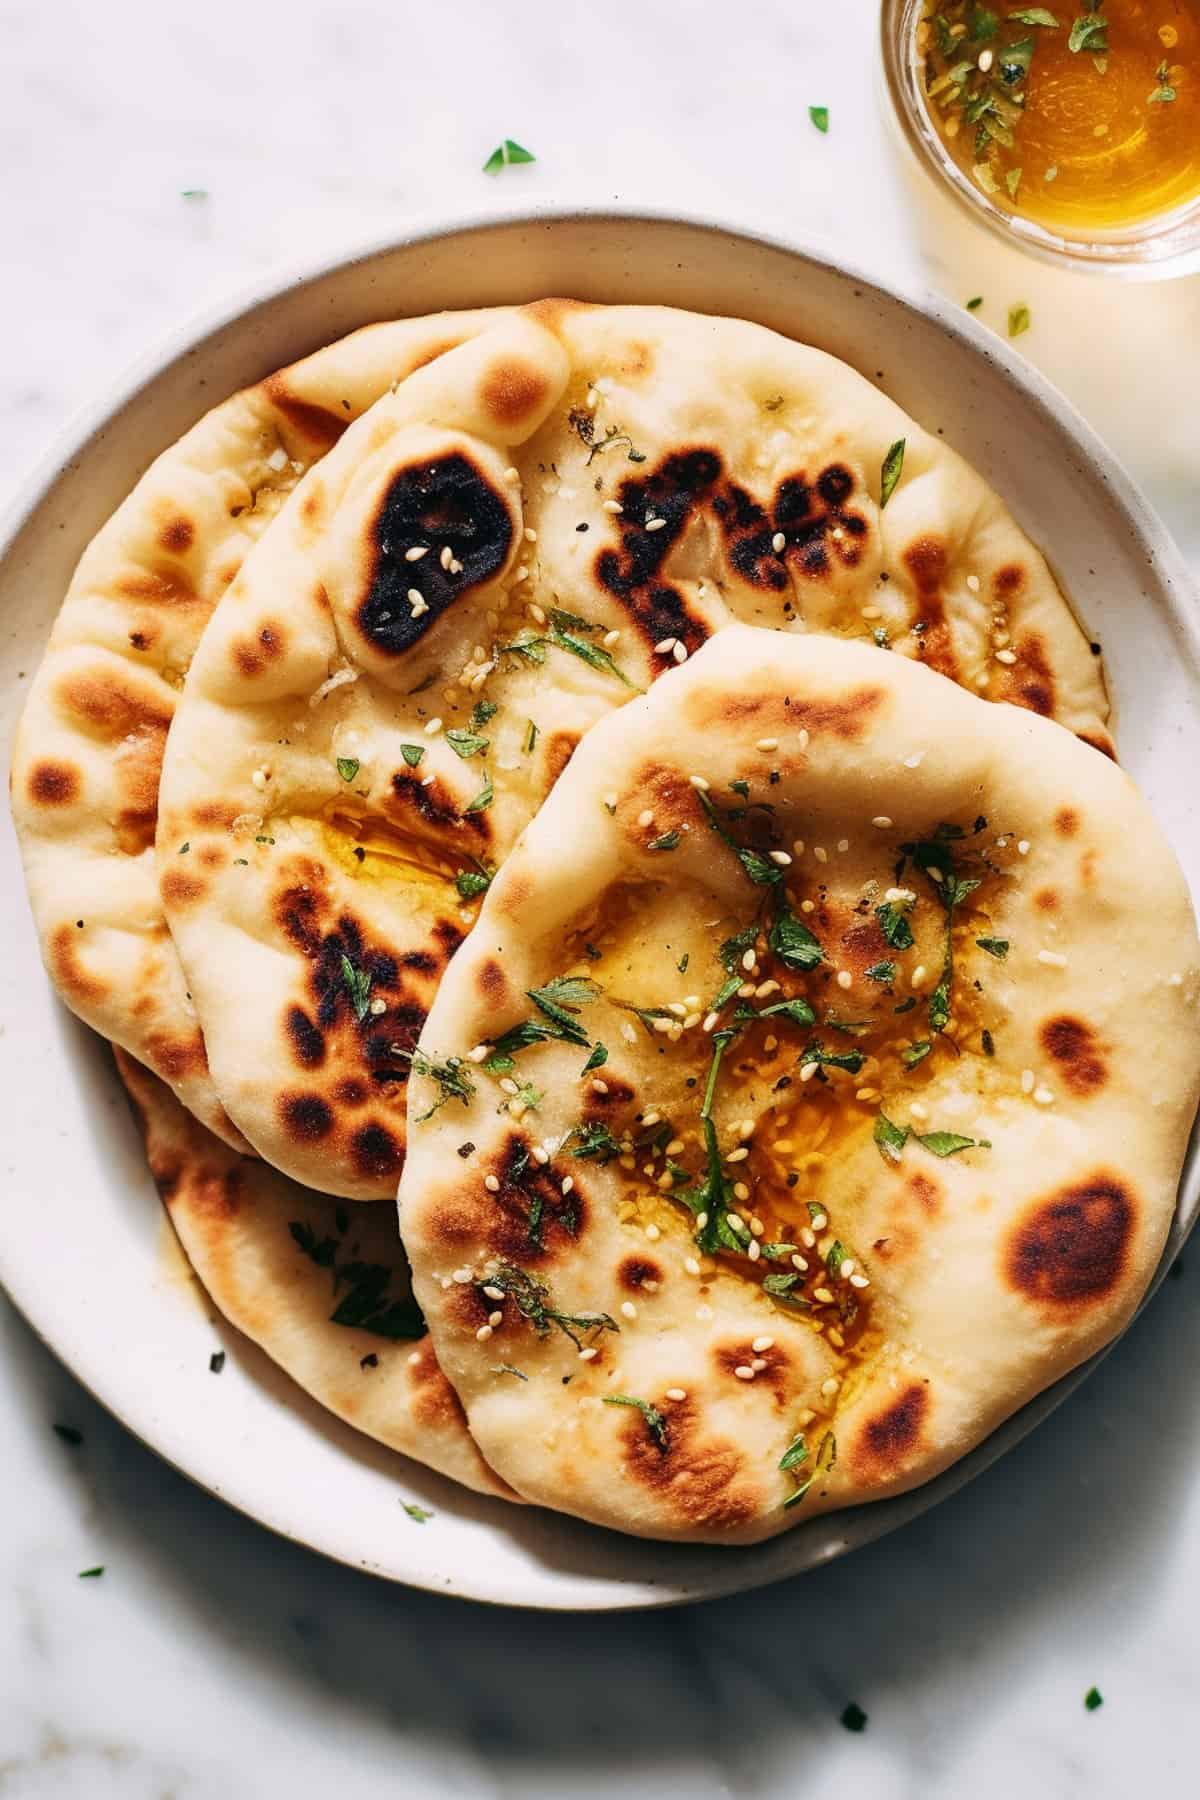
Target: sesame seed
<point>612,506</point>
<point>1052,959</point>
<point>541,1155</point>
<point>611,639</point>
<point>511,474</point>
<point>915,760</point>
<point>918,1111</point>
<point>599,1087</point>
<point>653,1233</point>
<point>692,1019</point>
<point>844,978</point>
<point>779,543</point>
<point>766,988</point>
<point>883,822</point>
<point>628,1309</point>
<point>986,59</point>
<point>483,1334</point>
<point>710,1021</point>
<point>496,1318</point>
<point>781,857</point>
<point>259,778</point>
<point>433,727</point>
<point>530,535</point>
<point>377,1007</point>
<point>808,1071</point>
<point>830,1386</point>
<point>699,783</point>
<point>900,896</point>
<point>446,556</point>
<point>740,1191</point>
<point>753,1251</point>
<point>758,1365</point>
<point>664,647</point>
<point>843,846</point>
<point>803,738</point>
<point>587,1355</point>
<point>1007,657</point>
<point>701,1221</point>
<point>820,852</point>
<point>798,846</point>
<point>568,1184</point>
<point>748,960</point>
<point>737,1155</point>
<point>656,524</point>
<point>691,1266</point>
<point>680,651</point>
<point>973,583</point>
<point>508,1085</point>
<point>676,1394</point>
<point>646,817</point>
<point>847,1267</point>
<point>1043,1096</point>
<point>494,1293</point>
<point>823,1295</point>
<point>1023,847</point>
<point>1028,1081</point>
<point>461,1276</point>
<point>666,1026</point>
<point>767,744</point>
<point>917,976</point>
<point>416,553</point>
<point>798,1262</point>
<point>744,1372</point>
<point>859,1281</point>
<point>820,1221</point>
<point>762,1343</point>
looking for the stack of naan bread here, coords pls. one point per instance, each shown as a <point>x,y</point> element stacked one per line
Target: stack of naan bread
<point>610,777</point>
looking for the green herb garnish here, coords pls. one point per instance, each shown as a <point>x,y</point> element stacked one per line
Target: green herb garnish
<point>451,1078</point>
<point>825,1459</point>
<point>668,841</point>
<point>997,947</point>
<point>505,154</point>
<point>357,983</point>
<point>91,1574</point>
<point>597,1059</point>
<point>820,117</point>
<point>882,972</point>
<point>944,1143</point>
<point>347,767</point>
<point>890,1138</point>
<point>596,1143</point>
<point>895,926</point>
<point>656,1425</point>
<point>915,1053</point>
<point>531,737</point>
<point>412,753</point>
<point>1164,93</point>
<point>793,943</point>
<point>483,798</point>
<point>975,303</point>
<point>1093,1698</point>
<point>531,1298</point>
<point>418,1514</point>
<point>473,882</point>
<point>466,743</point>
<point>893,465</point>
<point>1019,320</point>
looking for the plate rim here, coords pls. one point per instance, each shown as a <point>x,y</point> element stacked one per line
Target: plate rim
<point>188,337</point>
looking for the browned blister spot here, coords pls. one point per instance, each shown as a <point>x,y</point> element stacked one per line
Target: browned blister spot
<point>158,587</point>
<point>926,562</point>
<point>54,783</point>
<point>179,888</point>
<point>252,655</point>
<point>557,752</point>
<point>926,1192</point>
<point>411,803</point>
<point>512,391</point>
<point>312,505</point>
<point>1066,821</point>
<point>1030,680</point>
<point>1046,900</point>
<point>111,706</point>
<point>491,981</point>
<point>70,975</point>
<point>375,1153</point>
<point>1008,581</point>
<point>175,1057</point>
<point>305,1117</point>
<point>432,1401</point>
<point>1071,1250</point>
<point>177,534</point>
<point>1076,1052</point>
<point>616,1096</point>
<point>662,791</point>
<point>321,427</point>
<point>698,1481</point>
<point>634,1272</point>
<point>307,1039</point>
<point>551,311</point>
<point>350,1091</point>
<point>889,1444</point>
<point>777,1374</point>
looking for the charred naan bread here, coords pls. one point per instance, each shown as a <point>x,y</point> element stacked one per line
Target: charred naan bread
<point>89,744</point>
<point>811,1092</point>
<point>324,1289</point>
<point>518,540</point>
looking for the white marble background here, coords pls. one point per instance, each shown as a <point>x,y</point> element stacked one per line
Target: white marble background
<point>212,1662</point>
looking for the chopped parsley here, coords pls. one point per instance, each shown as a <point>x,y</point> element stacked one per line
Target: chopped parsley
<point>1019,320</point>
<point>656,1424</point>
<point>975,303</point>
<point>482,713</point>
<point>507,153</point>
<point>357,983</point>
<point>531,737</point>
<point>412,754</point>
<point>347,767</point>
<point>596,1143</point>
<point>890,1138</point>
<point>466,743</point>
<point>944,1143</point>
<point>473,882</point>
<point>823,1462</point>
<point>793,943</point>
<point>796,1009</point>
<point>597,1059</point>
<point>531,1297</point>
<point>915,1053</point>
<point>893,465</point>
<point>451,1077</point>
<point>91,1574</point>
<point>997,947</point>
<point>883,972</point>
<point>853,1717</point>
<point>850,1060</point>
<point>1093,1698</point>
<point>559,1000</point>
<point>820,117</point>
<point>418,1514</point>
<point>668,841</point>
<point>565,629</point>
<point>761,870</point>
<point>1089,32</point>
<point>483,798</point>
<point>1164,93</point>
<point>895,926</point>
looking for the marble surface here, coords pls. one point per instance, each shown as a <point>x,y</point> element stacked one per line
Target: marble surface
<point>211,1660</point>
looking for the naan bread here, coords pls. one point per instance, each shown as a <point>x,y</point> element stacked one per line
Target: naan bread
<point>511,545</point>
<point>89,744</point>
<point>323,1289</point>
<point>829,1046</point>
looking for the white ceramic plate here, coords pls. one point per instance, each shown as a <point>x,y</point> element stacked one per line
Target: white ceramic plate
<point>82,1245</point>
